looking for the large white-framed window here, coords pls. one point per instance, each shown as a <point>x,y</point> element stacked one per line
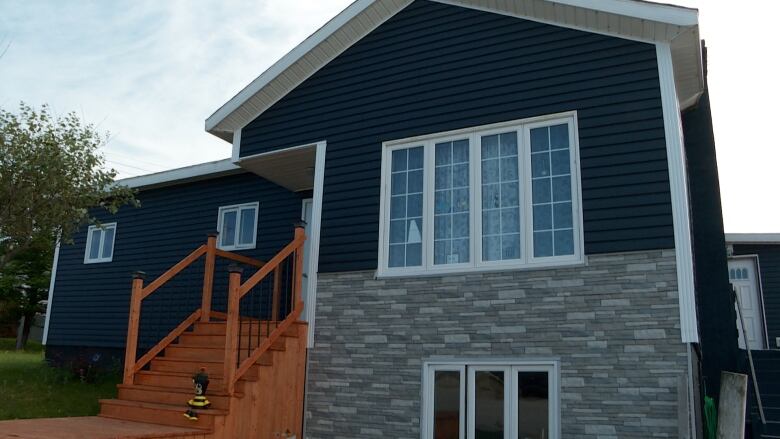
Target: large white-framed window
<point>504,399</point>
<point>237,226</point>
<point>100,243</point>
<point>492,197</point>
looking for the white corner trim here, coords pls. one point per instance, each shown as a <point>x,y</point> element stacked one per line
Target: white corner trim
<point>51,291</point>
<point>236,156</point>
<point>753,238</point>
<point>314,246</point>
<point>679,191</point>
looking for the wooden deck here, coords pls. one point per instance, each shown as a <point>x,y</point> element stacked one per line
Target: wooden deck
<point>92,427</point>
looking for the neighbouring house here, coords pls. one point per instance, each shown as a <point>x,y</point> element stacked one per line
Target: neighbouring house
<point>512,230</point>
<point>754,272</point>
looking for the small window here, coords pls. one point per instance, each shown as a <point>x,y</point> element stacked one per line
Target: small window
<point>100,243</point>
<point>237,226</point>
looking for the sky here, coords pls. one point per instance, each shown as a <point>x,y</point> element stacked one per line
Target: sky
<point>150,72</point>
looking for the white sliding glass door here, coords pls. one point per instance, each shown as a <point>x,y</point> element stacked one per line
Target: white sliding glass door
<point>491,401</point>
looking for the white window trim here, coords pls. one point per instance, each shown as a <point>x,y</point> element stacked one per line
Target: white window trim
<point>467,367</point>
<point>474,134</point>
<point>238,207</point>
<point>100,259</point>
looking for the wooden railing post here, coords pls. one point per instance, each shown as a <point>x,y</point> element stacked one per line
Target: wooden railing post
<point>231,332</point>
<point>298,274</point>
<point>277,294</point>
<point>208,277</point>
<point>132,326</point>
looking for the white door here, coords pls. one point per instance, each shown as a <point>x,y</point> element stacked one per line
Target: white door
<point>306,210</point>
<point>742,274</point>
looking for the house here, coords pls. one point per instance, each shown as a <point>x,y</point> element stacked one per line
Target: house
<point>754,264</point>
<point>512,229</point>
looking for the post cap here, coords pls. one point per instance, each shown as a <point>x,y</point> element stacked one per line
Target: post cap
<point>235,268</point>
<point>300,224</point>
<point>213,234</point>
<point>139,275</point>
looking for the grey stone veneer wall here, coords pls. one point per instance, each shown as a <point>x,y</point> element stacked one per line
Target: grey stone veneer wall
<point>613,324</point>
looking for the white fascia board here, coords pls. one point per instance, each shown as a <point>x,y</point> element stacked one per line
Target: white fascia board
<point>286,61</point>
<point>753,238</point>
<point>675,153</point>
<point>198,171</point>
<point>662,13</point>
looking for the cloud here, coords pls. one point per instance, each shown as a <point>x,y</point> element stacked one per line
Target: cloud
<point>151,71</point>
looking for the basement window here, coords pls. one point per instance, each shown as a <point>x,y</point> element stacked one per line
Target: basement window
<point>237,226</point>
<point>100,243</point>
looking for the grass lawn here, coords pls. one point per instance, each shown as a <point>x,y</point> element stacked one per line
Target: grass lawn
<point>29,388</point>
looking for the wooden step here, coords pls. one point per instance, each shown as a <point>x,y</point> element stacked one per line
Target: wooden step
<point>178,380</point>
<point>208,340</point>
<point>181,350</point>
<point>177,397</point>
<point>219,328</point>
<point>184,365</point>
<point>157,413</point>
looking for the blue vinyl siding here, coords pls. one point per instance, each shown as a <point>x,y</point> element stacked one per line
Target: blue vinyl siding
<point>91,301</point>
<point>769,262</point>
<point>435,67</point>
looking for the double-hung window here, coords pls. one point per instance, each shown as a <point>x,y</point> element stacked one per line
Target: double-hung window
<point>475,400</point>
<point>237,226</point>
<point>100,243</point>
<point>506,195</point>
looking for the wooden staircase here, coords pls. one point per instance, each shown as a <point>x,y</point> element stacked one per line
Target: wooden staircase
<point>256,367</point>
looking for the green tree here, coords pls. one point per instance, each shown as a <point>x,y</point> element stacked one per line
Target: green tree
<point>24,285</point>
<point>51,176</point>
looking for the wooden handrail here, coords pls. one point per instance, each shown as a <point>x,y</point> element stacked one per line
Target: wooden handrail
<point>167,340</point>
<point>271,265</point>
<point>240,258</point>
<point>173,271</point>
<point>260,350</point>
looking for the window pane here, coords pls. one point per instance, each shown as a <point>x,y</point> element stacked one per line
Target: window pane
<point>533,402</point>
<point>399,160</point>
<point>246,233</point>
<point>228,231</point>
<point>108,242</point>
<point>559,136</point>
<point>451,203</point>
<point>489,405</point>
<point>406,208</point>
<point>553,214</point>
<point>446,405</point>
<point>500,215</point>
<point>543,244</point>
<point>94,245</point>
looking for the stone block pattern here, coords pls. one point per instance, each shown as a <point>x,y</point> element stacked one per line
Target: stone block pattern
<point>613,324</point>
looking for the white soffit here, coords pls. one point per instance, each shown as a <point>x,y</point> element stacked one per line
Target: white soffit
<point>197,172</point>
<point>291,168</point>
<point>632,19</point>
<point>753,238</point>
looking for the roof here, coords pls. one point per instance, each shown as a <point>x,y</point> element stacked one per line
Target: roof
<point>201,171</point>
<point>753,238</point>
<point>632,19</point>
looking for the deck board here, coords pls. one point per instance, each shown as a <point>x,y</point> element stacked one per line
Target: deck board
<point>92,427</point>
